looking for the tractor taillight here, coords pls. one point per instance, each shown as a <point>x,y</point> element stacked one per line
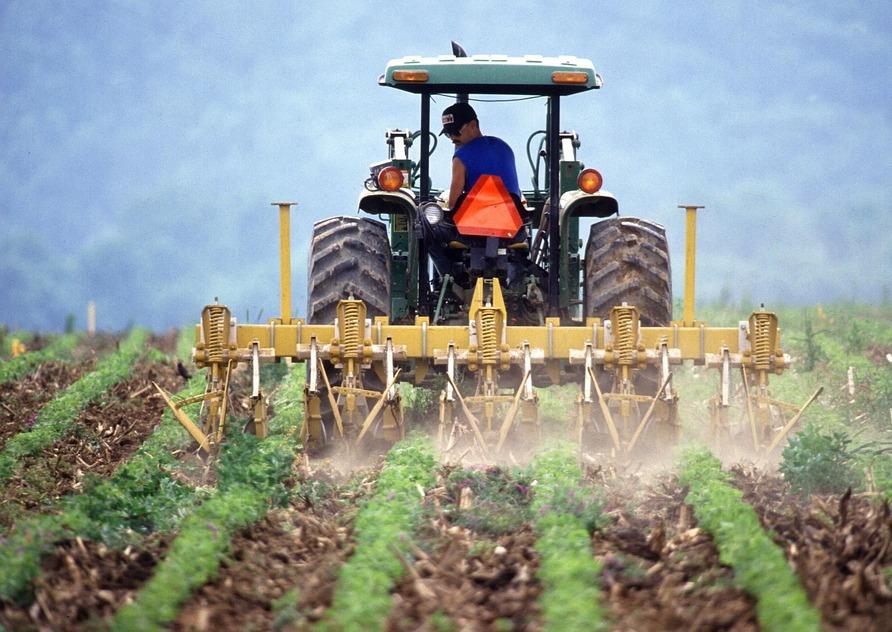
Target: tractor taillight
<point>390,179</point>
<point>590,181</point>
<point>412,76</point>
<point>567,76</point>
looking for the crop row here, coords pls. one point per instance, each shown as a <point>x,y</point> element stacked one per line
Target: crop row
<point>19,366</point>
<point>58,417</point>
<point>140,497</point>
<point>759,565</point>
<point>251,475</point>
<point>383,531</point>
<point>565,517</point>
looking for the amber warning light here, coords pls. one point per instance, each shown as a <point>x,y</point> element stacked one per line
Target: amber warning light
<point>590,181</point>
<point>390,179</point>
<point>410,76</point>
<point>568,76</point>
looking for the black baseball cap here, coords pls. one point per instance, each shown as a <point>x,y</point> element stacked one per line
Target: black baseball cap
<point>455,117</point>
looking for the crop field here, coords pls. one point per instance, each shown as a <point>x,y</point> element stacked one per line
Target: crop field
<point>109,519</point>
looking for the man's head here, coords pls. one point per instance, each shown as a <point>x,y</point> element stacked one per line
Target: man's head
<point>460,123</point>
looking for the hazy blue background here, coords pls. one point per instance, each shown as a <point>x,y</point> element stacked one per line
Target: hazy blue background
<point>142,142</point>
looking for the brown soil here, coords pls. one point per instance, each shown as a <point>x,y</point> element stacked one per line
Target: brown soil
<point>840,546</point>
<point>296,549</point>
<point>98,344</point>
<point>21,400</point>
<point>107,433</point>
<point>660,572</point>
<point>83,583</point>
<point>478,583</point>
<point>879,355</point>
<point>166,341</point>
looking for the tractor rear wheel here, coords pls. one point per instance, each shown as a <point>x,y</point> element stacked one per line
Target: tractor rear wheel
<point>627,260</point>
<point>349,256</point>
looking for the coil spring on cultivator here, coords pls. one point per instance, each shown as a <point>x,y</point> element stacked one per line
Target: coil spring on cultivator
<point>624,338</point>
<point>351,330</point>
<point>215,335</point>
<point>488,336</point>
<point>761,344</point>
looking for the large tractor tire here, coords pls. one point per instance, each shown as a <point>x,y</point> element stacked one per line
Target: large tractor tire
<point>349,256</point>
<point>627,260</point>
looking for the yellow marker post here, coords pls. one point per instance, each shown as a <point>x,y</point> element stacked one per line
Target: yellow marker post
<point>285,259</point>
<point>690,261</point>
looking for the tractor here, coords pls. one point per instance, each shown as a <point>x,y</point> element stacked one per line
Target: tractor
<point>523,306</point>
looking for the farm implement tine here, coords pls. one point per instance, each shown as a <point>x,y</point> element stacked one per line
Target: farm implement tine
<point>478,436</point>
<point>373,414</point>
<point>216,422</point>
<point>792,423</point>
<point>183,418</point>
<point>642,425</point>
<point>512,413</point>
<point>259,421</point>
<point>339,422</point>
<point>749,409</point>
<point>605,410</point>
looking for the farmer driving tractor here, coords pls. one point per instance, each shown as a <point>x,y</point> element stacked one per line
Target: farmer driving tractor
<point>475,155</point>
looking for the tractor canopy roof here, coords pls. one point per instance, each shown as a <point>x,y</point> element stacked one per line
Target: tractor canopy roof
<point>491,74</point>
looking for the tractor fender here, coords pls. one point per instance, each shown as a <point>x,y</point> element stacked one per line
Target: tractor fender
<point>388,203</point>
<point>581,204</point>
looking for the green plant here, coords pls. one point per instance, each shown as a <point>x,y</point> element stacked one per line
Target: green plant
<point>812,351</point>
<point>500,499</point>
<point>193,558</point>
<point>759,565</point>
<point>816,461</point>
<point>571,595</point>
<point>251,477</point>
<point>139,498</point>
<point>383,530</point>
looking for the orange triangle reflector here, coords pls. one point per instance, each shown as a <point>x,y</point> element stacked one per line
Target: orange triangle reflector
<point>488,210</point>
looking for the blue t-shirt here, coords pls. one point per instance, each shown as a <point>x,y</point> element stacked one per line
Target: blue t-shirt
<point>488,155</point>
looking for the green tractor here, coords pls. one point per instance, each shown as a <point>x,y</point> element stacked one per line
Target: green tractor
<point>539,271</point>
<point>386,264</point>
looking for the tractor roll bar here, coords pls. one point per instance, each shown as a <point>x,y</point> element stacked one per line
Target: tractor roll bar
<point>425,193</point>
<point>554,200</point>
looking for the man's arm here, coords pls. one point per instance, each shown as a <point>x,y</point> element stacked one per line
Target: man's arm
<point>458,181</point>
